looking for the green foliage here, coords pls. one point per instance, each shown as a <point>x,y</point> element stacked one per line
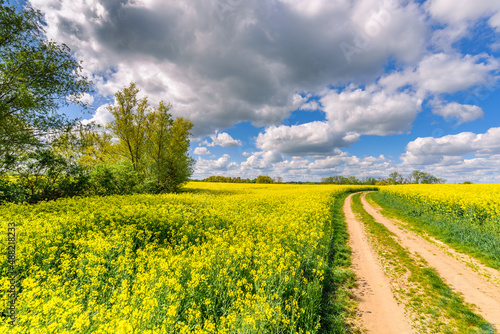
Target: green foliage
<point>44,175</point>
<point>419,177</point>
<point>154,143</point>
<point>226,179</point>
<point>10,191</point>
<point>114,179</point>
<point>36,78</point>
<point>264,179</point>
<point>339,179</point>
<point>395,178</point>
<point>130,125</point>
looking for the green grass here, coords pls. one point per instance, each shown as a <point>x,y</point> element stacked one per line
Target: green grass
<point>338,305</point>
<point>432,303</point>
<point>481,244</point>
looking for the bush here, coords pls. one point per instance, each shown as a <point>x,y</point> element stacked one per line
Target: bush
<point>114,179</point>
<point>11,192</point>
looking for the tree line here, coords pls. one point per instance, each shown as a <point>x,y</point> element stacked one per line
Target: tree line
<point>416,177</point>
<point>46,155</point>
<point>229,179</point>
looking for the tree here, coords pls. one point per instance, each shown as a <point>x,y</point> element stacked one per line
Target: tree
<point>95,147</point>
<point>382,183</point>
<point>176,166</point>
<point>153,142</point>
<point>130,125</point>
<point>368,180</point>
<point>395,178</point>
<point>37,77</point>
<point>420,177</point>
<point>264,179</point>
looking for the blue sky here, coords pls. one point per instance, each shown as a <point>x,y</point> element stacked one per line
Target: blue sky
<point>304,89</point>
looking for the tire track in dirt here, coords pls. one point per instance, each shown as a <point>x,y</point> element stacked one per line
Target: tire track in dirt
<point>380,312</point>
<point>475,288</point>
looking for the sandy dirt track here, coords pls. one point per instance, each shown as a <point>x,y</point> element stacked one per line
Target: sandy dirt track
<point>379,311</point>
<point>479,286</point>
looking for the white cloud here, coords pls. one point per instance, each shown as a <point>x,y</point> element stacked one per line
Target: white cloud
<point>87,98</point>
<point>443,73</point>
<point>464,112</point>
<point>223,139</point>
<point>495,21</point>
<point>102,116</point>
<point>311,106</point>
<point>445,150</point>
<point>457,11</point>
<point>201,150</point>
<point>222,164</point>
<point>349,114</point>
<point>444,39</point>
<point>272,156</point>
<point>305,169</point>
<point>371,111</point>
<point>221,68</point>
<point>314,138</point>
<point>454,168</point>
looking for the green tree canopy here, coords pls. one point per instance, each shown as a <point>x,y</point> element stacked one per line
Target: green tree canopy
<point>264,179</point>
<point>151,140</point>
<point>37,77</point>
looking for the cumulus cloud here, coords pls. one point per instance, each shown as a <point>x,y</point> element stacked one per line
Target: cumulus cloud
<point>303,169</point>
<point>371,111</point>
<point>446,149</point>
<point>102,116</point>
<point>223,139</point>
<point>453,168</point>
<point>207,166</point>
<point>309,139</point>
<point>311,106</point>
<point>349,114</point>
<point>464,112</point>
<point>259,60</point>
<point>220,67</point>
<point>201,150</point>
<point>443,73</point>
<point>457,11</point>
<point>87,98</point>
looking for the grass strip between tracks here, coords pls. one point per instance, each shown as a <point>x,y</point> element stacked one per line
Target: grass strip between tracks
<point>483,245</point>
<point>432,305</point>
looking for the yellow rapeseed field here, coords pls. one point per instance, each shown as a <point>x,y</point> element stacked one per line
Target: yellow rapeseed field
<point>220,258</point>
<point>478,204</point>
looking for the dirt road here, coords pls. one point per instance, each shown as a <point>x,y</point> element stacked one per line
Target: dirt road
<point>479,285</point>
<point>380,312</point>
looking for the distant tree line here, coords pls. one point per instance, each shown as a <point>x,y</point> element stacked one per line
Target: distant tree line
<point>339,179</point>
<point>229,179</point>
<point>416,177</point>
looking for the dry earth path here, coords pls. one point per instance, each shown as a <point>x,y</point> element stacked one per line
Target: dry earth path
<point>478,284</point>
<point>379,311</point>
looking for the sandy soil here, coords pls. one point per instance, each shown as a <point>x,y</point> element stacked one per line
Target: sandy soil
<point>379,311</point>
<point>478,284</point>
